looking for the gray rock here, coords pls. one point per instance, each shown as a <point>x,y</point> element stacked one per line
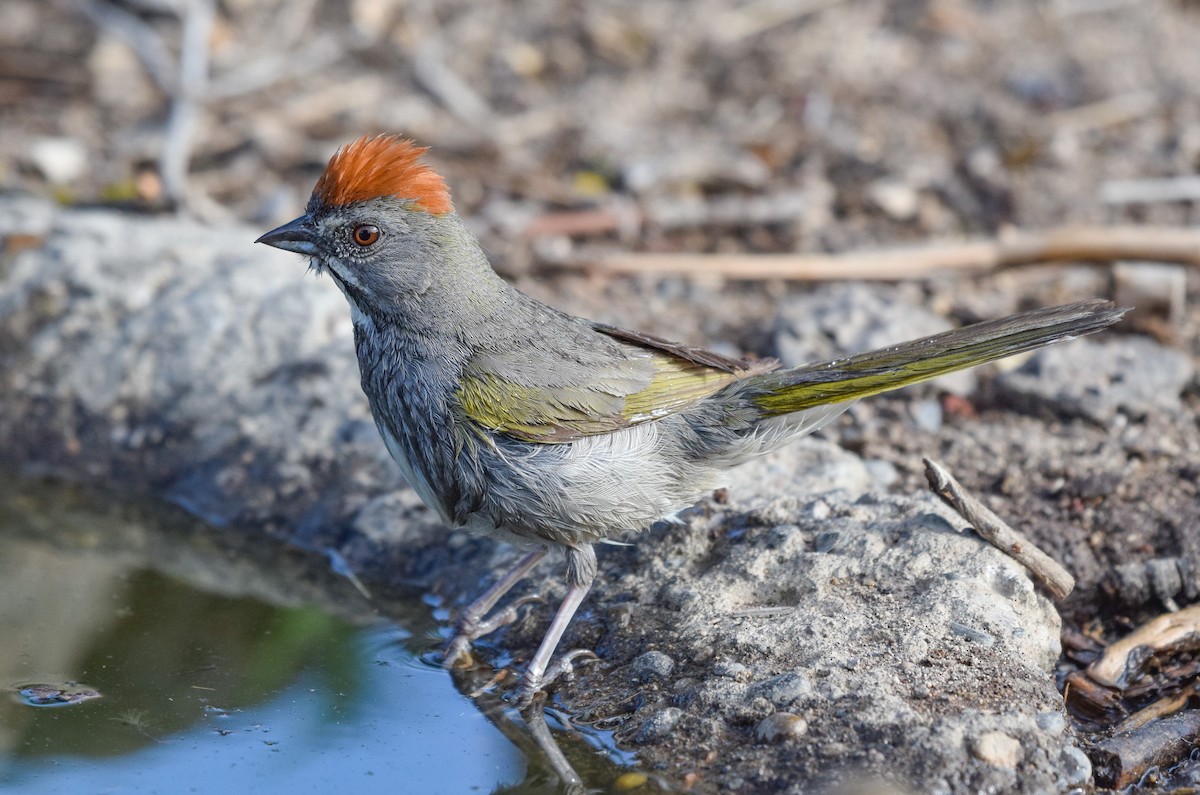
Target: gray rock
<point>781,690</point>
<point>1076,767</point>
<point>156,351</point>
<point>730,669</point>
<point>1054,722</point>
<point>1099,379</point>
<point>883,473</point>
<point>660,725</point>
<point>859,618</point>
<point>650,666</point>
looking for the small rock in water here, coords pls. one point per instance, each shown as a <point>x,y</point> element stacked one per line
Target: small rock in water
<point>56,695</point>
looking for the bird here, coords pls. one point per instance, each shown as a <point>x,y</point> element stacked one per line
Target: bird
<point>554,432</point>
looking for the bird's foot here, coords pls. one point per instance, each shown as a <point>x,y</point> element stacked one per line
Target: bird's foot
<point>470,629</point>
<point>564,667</point>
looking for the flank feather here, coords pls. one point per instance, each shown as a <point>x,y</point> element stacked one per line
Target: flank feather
<point>382,165</point>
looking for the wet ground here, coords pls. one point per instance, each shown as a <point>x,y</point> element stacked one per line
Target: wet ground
<point>123,673</point>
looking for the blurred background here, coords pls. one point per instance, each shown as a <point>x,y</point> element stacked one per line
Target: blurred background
<point>692,125</point>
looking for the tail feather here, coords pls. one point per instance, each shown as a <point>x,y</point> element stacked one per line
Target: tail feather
<point>796,389</point>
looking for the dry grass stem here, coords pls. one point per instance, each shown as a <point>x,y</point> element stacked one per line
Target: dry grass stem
<point>1069,244</point>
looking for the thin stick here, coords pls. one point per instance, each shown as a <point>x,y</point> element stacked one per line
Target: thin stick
<point>1070,244</point>
<point>1057,580</point>
<point>1124,758</point>
<point>1155,710</point>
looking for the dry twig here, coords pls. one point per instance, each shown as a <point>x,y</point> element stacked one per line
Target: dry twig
<point>1057,580</point>
<point>1124,758</point>
<point>1168,705</point>
<point>1151,191</point>
<point>1071,244</point>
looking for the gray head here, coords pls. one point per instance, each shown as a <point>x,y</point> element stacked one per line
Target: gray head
<point>380,222</point>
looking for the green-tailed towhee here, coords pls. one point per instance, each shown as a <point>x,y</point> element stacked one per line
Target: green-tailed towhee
<point>552,431</point>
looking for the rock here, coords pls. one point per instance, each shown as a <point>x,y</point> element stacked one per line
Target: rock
<point>883,474</point>
<point>862,619</point>
<point>660,725</point>
<point>1076,767</point>
<point>927,414</point>
<point>898,200</point>
<point>781,690</point>
<point>1099,379</point>
<point>159,352</point>
<point>805,467</point>
<point>650,666</point>
<point>780,726</point>
<point>1053,721</point>
<point>997,748</point>
<point>730,669</point>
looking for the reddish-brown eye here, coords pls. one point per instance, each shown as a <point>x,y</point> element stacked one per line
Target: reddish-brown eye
<point>366,234</point>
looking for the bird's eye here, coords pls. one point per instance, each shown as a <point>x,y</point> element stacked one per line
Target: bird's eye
<point>366,234</point>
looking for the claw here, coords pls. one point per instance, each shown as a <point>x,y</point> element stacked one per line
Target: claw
<point>469,630</point>
<point>564,666</point>
<point>458,653</point>
<point>471,624</point>
<point>503,618</point>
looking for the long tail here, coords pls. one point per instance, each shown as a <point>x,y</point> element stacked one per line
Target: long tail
<point>787,391</point>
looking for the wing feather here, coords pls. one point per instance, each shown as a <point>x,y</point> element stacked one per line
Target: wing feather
<point>539,395</point>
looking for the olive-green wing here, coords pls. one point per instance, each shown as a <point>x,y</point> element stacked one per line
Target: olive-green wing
<point>620,379</point>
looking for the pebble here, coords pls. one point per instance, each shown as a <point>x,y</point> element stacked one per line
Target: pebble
<point>781,690</point>
<point>927,414</point>
<point>781,726</point>
<point>651,665</point>
<point>628,781</point>
<point>730,669</point>
<point>1054,722</point>
<point>1076,767</point>
<point>659,725</point>
<point>897,199</point>
<point>883,473</point>
<point>997,748</point>
<point>972,634</point>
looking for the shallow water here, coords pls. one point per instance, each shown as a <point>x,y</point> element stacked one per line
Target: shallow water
<point>139,658</point>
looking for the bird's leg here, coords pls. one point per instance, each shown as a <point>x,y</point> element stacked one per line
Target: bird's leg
<point>470,624</point>
<point>581,571</point>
